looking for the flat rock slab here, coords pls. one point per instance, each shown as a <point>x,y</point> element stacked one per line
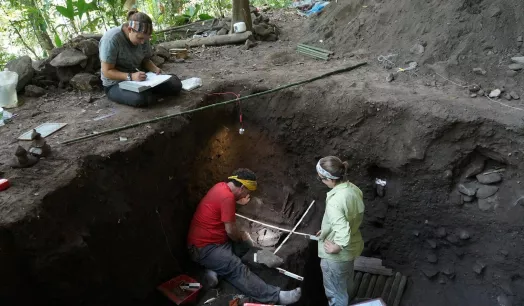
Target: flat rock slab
<point>69,57</point>
<point>490,178</point>
<point>467,190</point>
<point>429,272</point>
<point>486,191</point>
<point>478,267</point>
<point>475,167</point>
<point>518,59</point>
<point>516,67</point>
<point>488,203</point>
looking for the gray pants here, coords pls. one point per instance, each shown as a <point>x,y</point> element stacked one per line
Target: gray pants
<point>338,281</point>
<point>224,260</point>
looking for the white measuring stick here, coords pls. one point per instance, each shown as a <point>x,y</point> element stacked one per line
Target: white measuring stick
<point>312,237</point>
<point>292,275</point>
<point>294,228</point>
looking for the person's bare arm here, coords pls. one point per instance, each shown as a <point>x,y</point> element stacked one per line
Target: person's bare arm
<point>112,73</point>
<point>150,66</point>
<point>233,232</point>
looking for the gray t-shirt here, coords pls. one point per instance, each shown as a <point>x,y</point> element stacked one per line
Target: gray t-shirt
<point>115,48</point>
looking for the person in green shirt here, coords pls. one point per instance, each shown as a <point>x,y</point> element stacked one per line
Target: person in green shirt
<point>340,240</point>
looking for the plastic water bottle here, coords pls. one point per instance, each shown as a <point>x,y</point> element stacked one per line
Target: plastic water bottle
<point>8,82</point>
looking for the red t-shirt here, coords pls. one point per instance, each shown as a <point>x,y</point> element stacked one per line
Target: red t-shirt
<point>207,226</point>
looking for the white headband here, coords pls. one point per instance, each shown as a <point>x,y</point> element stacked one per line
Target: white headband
<point>324,173</point>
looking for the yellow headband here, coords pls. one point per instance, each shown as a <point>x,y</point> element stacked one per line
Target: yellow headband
<point>250,185</point>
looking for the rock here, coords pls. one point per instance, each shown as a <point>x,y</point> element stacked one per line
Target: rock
<point>478,267</point>
<point>479,71</point>
<point>448,270</point>
<point>452,239</point>
<point>456,198</point>
<point>504,252</point>
<point>464,235</point>
<point>469,191</point>
<point>514,95</point>
<point>432,258</point>
<point>69,57</point>
<point>248,44</point>
<point>157,60</point>
<point>416,233</point>
<point>468,199</point>
<point>222,31</point>
<point>271,37</point>
<point>442,280</point>
<point>490,178</point>
<point>516,67</point>
<point>507,96</point>
<point>432,243</point>
<point>54,53</point>
<point>24,67</point>
<point>89,47</point>
<point>429,271</point>
<point>448,174</point>
<point>261,30</point>
<point>474,88</point>
<point>34,91</point>
<point>495,93</point>
<point>520,39</point>
<point>518,59</point>
<point>481,92</point>
<point>473,95</point>
<point>503,300</point>
<point>486,191</point>
<point>162,52</point>
<point>441,232</point>
<point>417,49</point>
<point>85,81</point>
<point>390,78</point>
<point>511,73</point>
<point>494,11</point>
<point>488,203</point>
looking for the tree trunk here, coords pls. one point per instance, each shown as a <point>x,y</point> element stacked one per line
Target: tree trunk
<point>241,12</point>
<point>39,27</point>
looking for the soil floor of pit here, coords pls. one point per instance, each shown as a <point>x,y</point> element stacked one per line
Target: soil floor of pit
<point>267,65</point>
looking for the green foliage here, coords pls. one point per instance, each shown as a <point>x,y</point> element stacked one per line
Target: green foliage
<point>5,58</point>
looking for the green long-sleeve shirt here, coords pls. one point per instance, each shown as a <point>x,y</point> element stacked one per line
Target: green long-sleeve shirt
<point>341,222</point>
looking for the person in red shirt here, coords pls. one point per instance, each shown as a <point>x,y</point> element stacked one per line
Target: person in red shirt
<point>216,243</point>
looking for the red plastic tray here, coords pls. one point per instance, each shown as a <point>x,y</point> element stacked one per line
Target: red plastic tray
<point>172,290</point>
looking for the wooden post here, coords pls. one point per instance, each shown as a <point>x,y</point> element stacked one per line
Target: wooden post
<point>241,12</point>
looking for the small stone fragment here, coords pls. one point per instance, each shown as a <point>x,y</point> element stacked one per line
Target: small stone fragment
<point>490,178</point>
<point>417,49</point>
<point>481,92</point>
<point>503,300</point>
<point>485,204</point>
<point>504,252</point>
<point>432,243</point>
<point>429,271</point>
<point>34,91</point>
<point>467,191</point>
<point>478,267</point>
<point>511,73</point>
<point>464,235</point>
<point>494,11</point>
<point>468,199</point>
<point>432,258</point>
<point>486,191</point>
<point>416,233</point>
<point>477,164</point>
<point>479,71</point>
<point>516,67</point>
<point>448,270</point>
<point>495,93</point>
<point>507,96</point>
<point>514,95</point>
<point>474,88</point>
<point>452,239</point>
<point>448,174</point>
<point>518,59</point>
<point>442,279</point>
<point>473,95</point>
<point>441,232</point>
<point>520,39</point>
<point>390,78</point>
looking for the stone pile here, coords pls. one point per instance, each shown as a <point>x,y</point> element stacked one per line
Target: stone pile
<point>75,64</point>
<point>263,29</point>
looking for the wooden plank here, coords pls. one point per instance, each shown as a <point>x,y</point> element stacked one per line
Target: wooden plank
<point>371,286</point>
<point>379,286</point>
<point>394,289</point>
<point>208,41</point>
<point>400,291</point>
<point>387,288</point>
<point>356,284</point>
<point>374,270</point>
<point>363,285</point>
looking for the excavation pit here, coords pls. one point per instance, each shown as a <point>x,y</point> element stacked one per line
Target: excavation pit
<point>117,230</point>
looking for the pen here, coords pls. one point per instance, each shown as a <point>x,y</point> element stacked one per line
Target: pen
<point>140,71</point>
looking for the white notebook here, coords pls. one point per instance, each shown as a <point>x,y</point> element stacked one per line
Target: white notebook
<point>151,81</point>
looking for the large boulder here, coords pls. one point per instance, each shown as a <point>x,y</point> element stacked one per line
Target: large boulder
<point>24,67</point>
<point>162,52</point>
<point>157,60</point>
<point>89,47</point>
<point>85,81</point>
<point>34,91</point>
<point>69,57</point>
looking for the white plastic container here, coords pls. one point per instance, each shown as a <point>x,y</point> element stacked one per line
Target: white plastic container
<point>239,27</point>
<point>8,82</point>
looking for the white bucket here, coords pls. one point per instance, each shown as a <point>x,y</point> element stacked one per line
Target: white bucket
<point>239,27</point>
<point>8,82</point>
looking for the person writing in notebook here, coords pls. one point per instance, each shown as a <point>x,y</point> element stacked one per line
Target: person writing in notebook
<point>125,52</point>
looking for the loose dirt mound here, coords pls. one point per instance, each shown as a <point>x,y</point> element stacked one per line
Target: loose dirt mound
<point>449,37</point>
